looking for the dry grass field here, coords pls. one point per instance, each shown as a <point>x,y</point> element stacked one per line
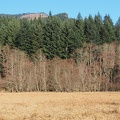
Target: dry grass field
<point>60,106</point>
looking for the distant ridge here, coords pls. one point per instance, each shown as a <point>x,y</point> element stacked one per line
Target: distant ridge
<point>31,16</point>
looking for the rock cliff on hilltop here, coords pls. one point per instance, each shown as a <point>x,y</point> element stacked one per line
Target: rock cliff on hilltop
<point>34,15</point>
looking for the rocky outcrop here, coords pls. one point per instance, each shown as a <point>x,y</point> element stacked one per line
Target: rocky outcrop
<point>35,15</point>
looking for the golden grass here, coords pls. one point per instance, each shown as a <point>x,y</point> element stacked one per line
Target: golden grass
<point>60,106</point>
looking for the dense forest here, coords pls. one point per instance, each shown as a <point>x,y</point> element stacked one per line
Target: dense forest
<point>60,53</point>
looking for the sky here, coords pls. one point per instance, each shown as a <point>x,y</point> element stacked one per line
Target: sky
<point>71,7</point>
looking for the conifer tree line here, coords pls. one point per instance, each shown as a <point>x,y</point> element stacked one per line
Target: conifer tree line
<point>55,36</point>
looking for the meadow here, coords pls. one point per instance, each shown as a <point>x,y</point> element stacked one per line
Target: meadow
<point>60,106</point>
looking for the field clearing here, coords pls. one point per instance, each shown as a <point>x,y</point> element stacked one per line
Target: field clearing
<point>60,106</point>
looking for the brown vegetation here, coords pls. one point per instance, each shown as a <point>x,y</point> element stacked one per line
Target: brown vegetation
<point>60,106</point>
<point>94,68</point>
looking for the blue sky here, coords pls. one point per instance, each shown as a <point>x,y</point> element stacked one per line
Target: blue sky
<point>72,7</point>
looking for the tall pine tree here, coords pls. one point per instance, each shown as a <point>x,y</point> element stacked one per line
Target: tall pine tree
<point>107,31</point>
<point>79,31</point>
<point>98,23</point>
<point>90,30</point>
<point>52,37</point>
<point>117,30</point>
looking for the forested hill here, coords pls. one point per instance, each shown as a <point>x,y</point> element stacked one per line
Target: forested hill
<point>59,53</point>
<point>35,15</point>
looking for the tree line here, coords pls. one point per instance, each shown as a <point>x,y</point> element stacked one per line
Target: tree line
<point>55,36</point>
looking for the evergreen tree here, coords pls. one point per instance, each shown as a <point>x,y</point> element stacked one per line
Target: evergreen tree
<point>22,40</point>
<point>69,38</point>
<point>50,14</point>
<point>117,30</point>
<point>98,24</point>
<point>90,30</point>
<point>107,31</point>
<point>79,30</point>
<point>52,37</point>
